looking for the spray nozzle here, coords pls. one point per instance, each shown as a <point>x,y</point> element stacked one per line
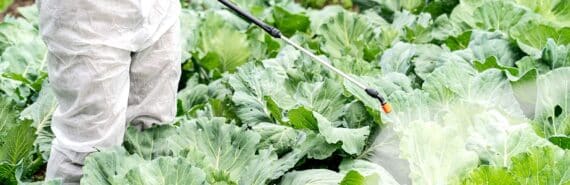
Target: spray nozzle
<point>385,106</point>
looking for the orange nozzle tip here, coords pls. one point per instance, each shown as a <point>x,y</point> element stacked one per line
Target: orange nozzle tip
<point>387,108</point>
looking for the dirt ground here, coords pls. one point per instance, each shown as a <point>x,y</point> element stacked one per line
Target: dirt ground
<point>13,9</point>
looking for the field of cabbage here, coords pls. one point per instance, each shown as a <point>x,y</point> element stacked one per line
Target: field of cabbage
<point>480,91</point>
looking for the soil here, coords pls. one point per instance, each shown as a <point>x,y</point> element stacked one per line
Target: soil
<point>13,9</point>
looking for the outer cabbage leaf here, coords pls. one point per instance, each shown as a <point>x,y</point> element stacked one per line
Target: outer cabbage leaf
<point>16,31</point>
<point>227,153</point>
<point>263,93</point>
<point>314,177</point>
<point>460,82</point>
<point>348,34</point>
<point>411,106</point>
<point>458,42</point>
<point>262,45</point>
<point>552,113</point>
<point>413,28</point>
<point>371,173</point>
<point>192,95</point>
<point>326,98</point>
<point>422,28</point>
<point>489,175</point>
<point>353,140</point>
<point>353,178</point>
<point>498,15</point>
<point>115,167</point>
<point>22,64</point>
<point>561,141</point>
<point>463,117</point>
<point>8,116</point>
<point>8,124</point>
<point>40,112</point>
<point>462,14</point>
<point>215,146</point>
<point>189,22</point>
<point>443,27</point>
<point>495,135</point>
<point>302,118</point>
<point>532,36</point>
<point>149,143</point>
<point>492,62</point>
<point>251,84</point>
<point>489,15</point>
<point>388,34</point>
<point>357,115</point>
<point>545,165</point>
<point>421,59</point>
<point>455,81</point>
<point>25,59</point>
<point>352,172</point>
<point>281,138</point>
<point>407,107</point>
<point>30,13</point>
<point>460,141</point>
<point>523,79</point>
<point>394,6</point>
<point>109,167</point>
<point>556,12</point>
<point>15,150</point>
<point>317,147</point>
<point>289,63</point>
<point>398,58</point>
<point>165,171</point>
<point>356,66</point>
<point>319,17</point>
<point>487,44</point>
<point>321,3</point>
<point>289,22</point>
<point>539,165</point>
<point>221,46</point>
<point>555,56</point>
<point>495,119</point>
<point>562,13</point>
<point>439,7</point>
<point>267,166</point>
<point>437,155</point>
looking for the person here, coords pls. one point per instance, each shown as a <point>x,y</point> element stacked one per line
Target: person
<point>110,62</point>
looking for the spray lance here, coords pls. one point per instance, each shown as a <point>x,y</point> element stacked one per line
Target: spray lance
<point>275,33</point>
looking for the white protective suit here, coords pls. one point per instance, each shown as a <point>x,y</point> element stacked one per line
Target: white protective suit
<point>110,62</point>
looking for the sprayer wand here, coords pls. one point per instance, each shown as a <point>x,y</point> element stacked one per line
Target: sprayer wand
<point>274,32</point>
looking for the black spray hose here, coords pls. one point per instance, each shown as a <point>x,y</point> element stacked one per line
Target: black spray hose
<point>274,32</point>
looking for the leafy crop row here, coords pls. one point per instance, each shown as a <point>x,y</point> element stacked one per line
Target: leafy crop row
<point>480,91</point>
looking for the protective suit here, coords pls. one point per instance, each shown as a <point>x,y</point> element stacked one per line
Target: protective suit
<point>110,62</point>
